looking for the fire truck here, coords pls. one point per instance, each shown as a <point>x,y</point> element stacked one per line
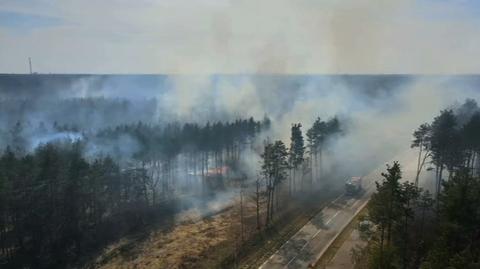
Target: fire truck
<point>353,185</point>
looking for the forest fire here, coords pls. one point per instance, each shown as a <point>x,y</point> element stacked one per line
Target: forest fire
<point>218,171</point>
<point>146,190</point>
<point>162,134</point>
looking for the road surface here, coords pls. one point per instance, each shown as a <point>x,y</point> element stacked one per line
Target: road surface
<point>343,256</point>
<point>313,239</point>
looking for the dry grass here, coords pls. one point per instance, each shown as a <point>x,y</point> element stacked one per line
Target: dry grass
<point>208,242</point>
<point>181,247</point>
<point>195,242</point>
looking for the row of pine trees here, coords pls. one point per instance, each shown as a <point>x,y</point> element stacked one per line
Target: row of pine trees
<point>415,228</point>
<point>59,204</point>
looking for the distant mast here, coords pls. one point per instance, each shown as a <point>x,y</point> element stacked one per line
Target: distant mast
<point>30,65</point>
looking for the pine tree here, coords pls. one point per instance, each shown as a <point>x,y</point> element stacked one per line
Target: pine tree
<point>297,150</point>
<point>445,145</point>
<point>274,166</point>
<point>471,135</point>
<point>422,141</point>
<point>385,206</point>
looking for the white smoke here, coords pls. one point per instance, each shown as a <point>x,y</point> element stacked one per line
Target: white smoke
<point>378,119</point>
<point>377,113</point>
<point>43,139</point>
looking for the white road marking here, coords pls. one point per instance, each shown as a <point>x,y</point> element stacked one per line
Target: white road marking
<point>286,266</point>
<point>336,199</point>
<point>313,237</point>
<point>328,221</point>
<point>318,232</point>
<point>310,221</point>
<point>354,204</point>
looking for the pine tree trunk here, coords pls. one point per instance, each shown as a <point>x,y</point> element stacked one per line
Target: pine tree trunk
<point>418,164</point>
<point>269,201</point>
<point>422,222</point>
<point>272,203</point>
<point>294,184</point>
<point>437,170</point>
<point>290,179</point>
<point>390,217</point>
<point>241,215</point>
<point>316,167</point>
<point>474,155</point>
<point>406,239</point>
<point>320,165</point>
<point>276,200</point>
<point>203,172</point>
<point>311,169</point>
<point>382,237</point>
<point>257,201</point>
<point>439,186</point>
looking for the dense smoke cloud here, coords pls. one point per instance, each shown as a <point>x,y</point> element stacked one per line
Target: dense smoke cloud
<point>377,113</point>
<point>377,116</point>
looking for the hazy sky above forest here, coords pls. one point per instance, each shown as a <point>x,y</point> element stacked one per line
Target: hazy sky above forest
<point>242,36</point>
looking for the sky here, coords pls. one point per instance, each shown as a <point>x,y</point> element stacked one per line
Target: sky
<point>241,36</point>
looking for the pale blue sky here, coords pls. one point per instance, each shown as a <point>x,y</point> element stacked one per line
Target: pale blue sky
<point>16,21</point>
<point>226,36</point>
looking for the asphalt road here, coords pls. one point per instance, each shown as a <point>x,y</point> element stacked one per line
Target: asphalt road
<point>313,239</point>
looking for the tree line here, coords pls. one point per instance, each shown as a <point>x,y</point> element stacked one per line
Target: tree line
<point>57,204</point>
<point>450,142</point>
<point>189,151</point>
<point>82,113</point>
